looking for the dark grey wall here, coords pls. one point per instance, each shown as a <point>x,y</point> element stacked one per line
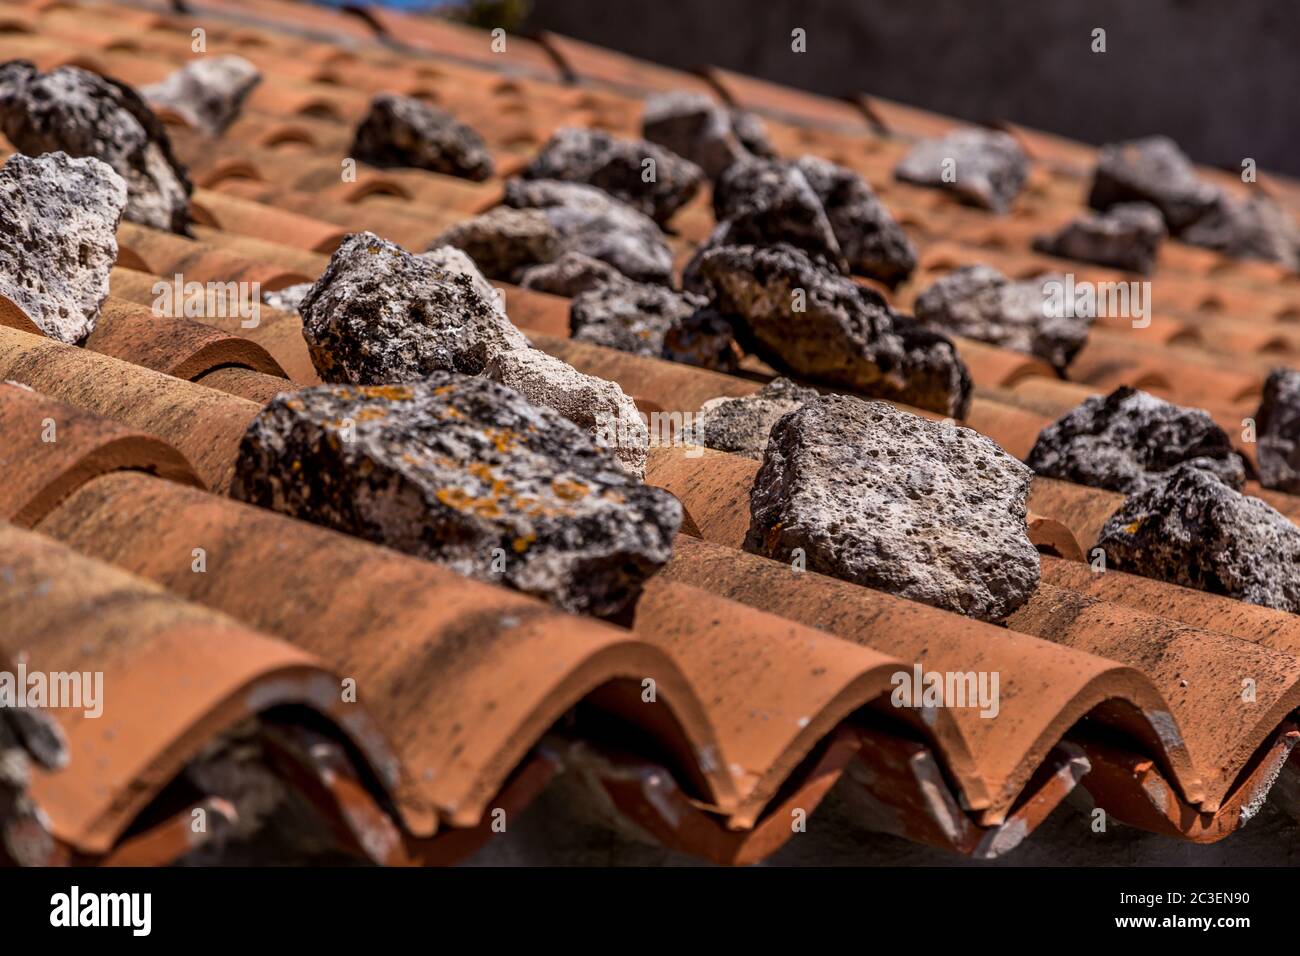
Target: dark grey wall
<point>1220,76</point>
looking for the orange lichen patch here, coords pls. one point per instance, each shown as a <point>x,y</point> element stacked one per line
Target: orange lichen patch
<point>502,438</point>
<point>394,393</point>
<point>570,490</point>
<point>521,543</point>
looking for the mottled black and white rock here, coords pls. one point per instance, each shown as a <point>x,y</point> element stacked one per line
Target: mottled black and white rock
<point>982,167</point>
<point>571,275</point>
<point>742,425</point>
<point>207,93</point>
<point>1128,441</point>
<point>872,242</point>
<point>978,302</point>
<point>1277,425</point>
<point>1152,169</point>
<point>590,221</point>
<point>698,128</point>
<point>654,321</point>
<point>403,131</point>
<point>457,260</point>
<point>1193,530</point>
<point>929,511</point>
<point>381,315</point>
<point>84,114</point>
<point>647,177</point>
<point>58,239</point>
<point>599,407</point>
<point>763,202</point>
<point>466,472</point>
<point>1125,236</point>
<point>1254,228</point>
<point>503,242</point>
<point>825,328</point>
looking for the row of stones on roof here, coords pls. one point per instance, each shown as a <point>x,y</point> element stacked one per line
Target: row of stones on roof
<point>443,434</point>
<point>1185,519</point>
<point>980,167</point>
<point>1154,170</point>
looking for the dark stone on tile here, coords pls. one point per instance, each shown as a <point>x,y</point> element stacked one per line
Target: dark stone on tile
<point>207,93</point>
<point>402,131</point>
<point>466,472</point>
<point>84,114</point>
<point>590,221</point>
<point>504,242</point>
<point>58,242</point>
<point>382,315</point>
<point>1129,441</point>
<point>987,168</point>
<point>619,167</point>
<point>742,425</point>
<point>977,302</point>
<point>571,275</point>
<point>1277,431</point>
<point>872,242</point>
<point>1126,236</point>
<point>1192,529</point>
<point>762,202</point>
<point>694,126</point>
<point>926,510</point>
<point>1254,228</point>
<point>824,328</point>
<point>656,322</point>
<point>1152,169</point>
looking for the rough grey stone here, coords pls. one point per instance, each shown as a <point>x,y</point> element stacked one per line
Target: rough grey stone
<point>571,275</point>
<point>503,242</point>
<point>380,315</point>
<point>657,322</point>
<point>1126,236</point>
<point>752,133</point>
<point>458,261</point>
<point>872,242</point>
<point>1152,169</point>
<point>929,511</point>
<point>980,303</point>
<point>742,425</point>
<point>84,114</point>
<point>403,131</point>
<point>617,166</point>
<point>825,328</point>
<point>1277,425</point>
<point>1193,530</point>
<point>58,239</point>
<point>466,472</point>
<point>1254,228</point>
<point>289,299</point>
<point>990,167</point>
<point>207,93</point>
<point>694,126</point>
<point>590,221</point>
<point>763,202</point>
<point>599,407</point>
<point>1129,441</point>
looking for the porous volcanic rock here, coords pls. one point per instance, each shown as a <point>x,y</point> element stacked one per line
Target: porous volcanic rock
<point>1192,529</point>
<point>1254,228</point>
<point>403,131</point>
<point>654,321</point>
<point>598,406</point>
<point>466,472</point>
<point>742,425</point>
<point>698,128</point>
<point>978,302</point>
<point>592,222</point>
<point>457,260</point>
<point>382,315</point>
<point>207,93</point>
<point>872,242</point>
<point>83,114</point>
<point>1154,170</point>
<point>764,202</point>
<point>926,510</point>
<point>571,275</point>
<point>619,167</point>
<point>58,239</point>
<point>825,328</point>
<point>987,168</point>
<point>503,242</point>
<point>1125,236</point>
<point>1129,440</point>
<point>1277,425</point>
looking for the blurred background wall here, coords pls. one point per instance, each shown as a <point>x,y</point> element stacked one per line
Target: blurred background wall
<point>1220,76</point>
